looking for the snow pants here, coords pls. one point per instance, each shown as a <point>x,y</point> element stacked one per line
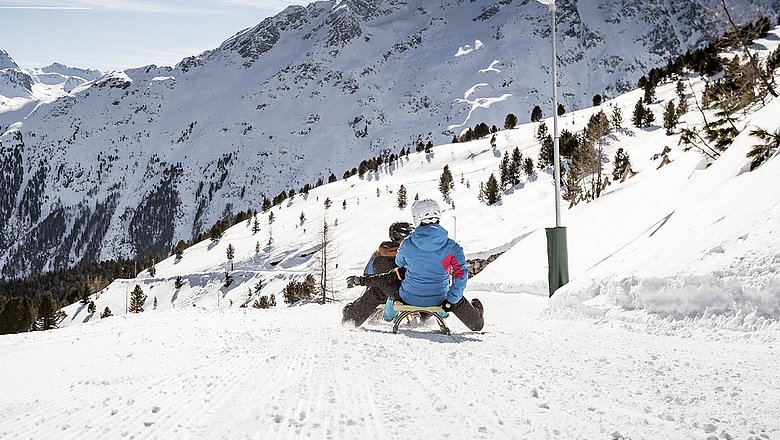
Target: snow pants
<point>384,286</point>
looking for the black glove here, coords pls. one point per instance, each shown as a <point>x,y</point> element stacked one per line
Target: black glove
<point>446,306</point>
<point>353,281</point>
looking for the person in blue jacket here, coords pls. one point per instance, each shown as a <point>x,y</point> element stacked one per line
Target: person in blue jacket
<point>431,271</point>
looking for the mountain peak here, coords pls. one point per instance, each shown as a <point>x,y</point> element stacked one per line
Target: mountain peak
<point>6,62</point>
<point>62,69</point>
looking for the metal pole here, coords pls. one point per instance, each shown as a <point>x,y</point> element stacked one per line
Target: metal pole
<point>556,149</point>
<point>557,252</point>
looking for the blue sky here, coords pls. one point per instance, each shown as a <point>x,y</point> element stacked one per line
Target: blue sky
<point>117,34</point>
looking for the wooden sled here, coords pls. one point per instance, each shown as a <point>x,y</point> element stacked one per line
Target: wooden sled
<point>405,311</point>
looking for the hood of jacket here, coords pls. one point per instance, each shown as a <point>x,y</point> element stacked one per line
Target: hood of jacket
<point>429,237</point>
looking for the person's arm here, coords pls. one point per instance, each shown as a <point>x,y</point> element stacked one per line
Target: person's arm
<point>400,256</point>
<point>460,273</point>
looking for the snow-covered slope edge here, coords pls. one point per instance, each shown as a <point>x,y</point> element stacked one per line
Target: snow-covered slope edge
<point>716,251</point>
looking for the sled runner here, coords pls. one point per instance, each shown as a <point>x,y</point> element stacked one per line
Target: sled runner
<point>405,311</point>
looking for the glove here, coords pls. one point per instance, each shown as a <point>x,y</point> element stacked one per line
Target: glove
<point>353,281</point>
<point>446,306</point>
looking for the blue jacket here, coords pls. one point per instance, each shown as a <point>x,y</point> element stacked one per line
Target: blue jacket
<point>430,259</point>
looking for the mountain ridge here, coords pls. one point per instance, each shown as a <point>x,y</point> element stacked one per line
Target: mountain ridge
<point>131,162</point>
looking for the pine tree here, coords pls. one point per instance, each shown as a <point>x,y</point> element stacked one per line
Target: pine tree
<point>154,304</point>
<point>670,118</point>
<point>510,122</point>
<point>271,218</point>
<point>617,118</point>
<point>91,308</point>
<point>343,204</point>
<point>546,153</point>
<point>493,141</point>
<point>402,197</point>
<point>179,283</point>
<point>649,96</point>
<point>228,279</point>
<point>561,110</point>
<point>428,147</point>
<point>682,107</point>
<point>230,252</point>
<point>638,118</point>
<point>649,117</point>
<point>445,181</point>
<point>49,316</point>
<point>761,152</point>
<point>255,226</point>
<point>492,190</point>
<point>137,300</point>
<point>622,163</point>
<point>178,250</point>
<point>536,114</point>
<point>302,218</point>
<point>327,203</point>
<point>503,170</point>
<point>573,191</point>
<point>596,100</point>
<point>528,166</point>
<point>515,166</point>
<point>152,271</point>
<point>541,131</point>
<point>106,313</point>
<point>258,287</point>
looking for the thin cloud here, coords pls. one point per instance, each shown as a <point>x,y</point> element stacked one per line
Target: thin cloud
<point>58,8</point>
<point>156,6</point>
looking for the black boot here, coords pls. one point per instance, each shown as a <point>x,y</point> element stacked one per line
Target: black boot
<point>470,313</point>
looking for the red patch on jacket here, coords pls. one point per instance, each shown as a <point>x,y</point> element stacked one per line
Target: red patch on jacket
<point>451,265</point>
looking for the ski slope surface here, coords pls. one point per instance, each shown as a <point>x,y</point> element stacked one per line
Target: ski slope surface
<point>194,372</point>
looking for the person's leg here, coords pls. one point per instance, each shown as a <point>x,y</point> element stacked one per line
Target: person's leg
<point>390,312</point>
<point>469,314</point>
<point>361,309</point>
<point>380,288</point>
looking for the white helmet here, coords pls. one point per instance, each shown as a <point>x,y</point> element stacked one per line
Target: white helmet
<point>425,211</point>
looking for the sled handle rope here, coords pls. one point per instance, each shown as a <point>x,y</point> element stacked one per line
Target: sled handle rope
<point>407,310</point>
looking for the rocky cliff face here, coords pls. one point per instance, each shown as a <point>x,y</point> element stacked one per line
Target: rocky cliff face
<point>130,162</point>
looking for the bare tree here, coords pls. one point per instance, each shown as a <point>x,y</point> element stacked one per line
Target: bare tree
<point>327,266</point>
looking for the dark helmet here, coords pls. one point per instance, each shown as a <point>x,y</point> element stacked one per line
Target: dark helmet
<point>399,231</point>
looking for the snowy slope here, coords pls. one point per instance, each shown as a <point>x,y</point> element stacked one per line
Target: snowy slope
<point>153,155</point>
<point>686,240</point>
<point>668,329</point>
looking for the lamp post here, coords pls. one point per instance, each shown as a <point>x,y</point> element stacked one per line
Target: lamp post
<point>557,254</point>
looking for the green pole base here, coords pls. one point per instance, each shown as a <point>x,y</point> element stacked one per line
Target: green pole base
<point>557,258</point>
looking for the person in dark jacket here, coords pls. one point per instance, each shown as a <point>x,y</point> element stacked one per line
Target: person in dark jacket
<point>432,271</point>
<point>381,261</point>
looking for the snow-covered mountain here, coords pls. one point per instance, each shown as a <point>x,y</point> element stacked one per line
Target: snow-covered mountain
<point>130,162</point>
<point>22,90</point>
